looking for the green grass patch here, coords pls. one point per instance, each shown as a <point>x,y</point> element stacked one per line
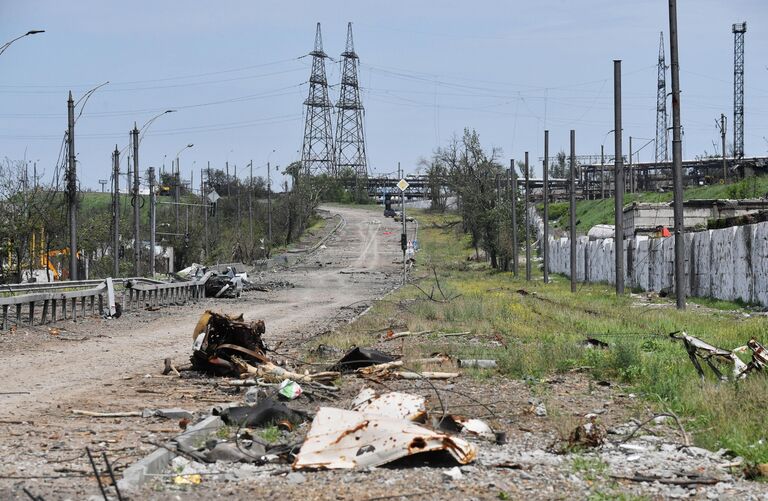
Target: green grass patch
<point>592,212</point>
<point>542,331</point>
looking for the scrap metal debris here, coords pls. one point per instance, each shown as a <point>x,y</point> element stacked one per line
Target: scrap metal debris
<point>218,337</point>
<point>264,413</point>
<point>340,439</point>
<point>393,404</point>
<point>712,356</point>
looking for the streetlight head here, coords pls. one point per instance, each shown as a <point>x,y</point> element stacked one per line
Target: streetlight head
<point>190,145</point>
<point>35,32</point>
<point>169,111</point>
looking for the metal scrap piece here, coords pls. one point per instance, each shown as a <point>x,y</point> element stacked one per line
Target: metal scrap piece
<point>393,404</point>
<point>340,439</point>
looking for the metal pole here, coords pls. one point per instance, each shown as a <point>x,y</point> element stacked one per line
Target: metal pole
<point>136,205</point>
<point>677,161</point>
<point>498,216</point>
<point>229,190</point>
<point>404,238</point>
<point>572,212</point>
<point>207,206</point>
<point>545,243</point>
<point>177,192</point>
<point>250,205</point>
<point>116,213</point>
<point>269,208</point>
<point>527,222</point>
<point>152,221</point>
<point>72,188</point>
<point>618,185</point>
<point>722,136</point>
<point>514,217</point>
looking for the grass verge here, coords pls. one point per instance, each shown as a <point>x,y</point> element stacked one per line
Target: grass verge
<point>542,329</point>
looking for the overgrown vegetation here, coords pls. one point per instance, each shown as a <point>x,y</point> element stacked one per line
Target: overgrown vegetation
<point>542,331</point>
<point>592,212</point>
<point>234,228</point>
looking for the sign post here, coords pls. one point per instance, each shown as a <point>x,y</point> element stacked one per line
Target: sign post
<point>403,185</point>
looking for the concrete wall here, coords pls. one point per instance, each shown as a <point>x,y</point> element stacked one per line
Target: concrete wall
<point>730,263</point>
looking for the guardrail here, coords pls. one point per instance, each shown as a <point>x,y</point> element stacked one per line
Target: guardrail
<point>47,304</point>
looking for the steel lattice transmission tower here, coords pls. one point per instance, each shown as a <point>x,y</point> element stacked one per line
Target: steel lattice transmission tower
<point>350,138</point>
<point>662,136</point>
<point>317,153</point>
<point>738,89</point>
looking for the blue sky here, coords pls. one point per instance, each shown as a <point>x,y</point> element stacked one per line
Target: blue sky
<point>234,71</point>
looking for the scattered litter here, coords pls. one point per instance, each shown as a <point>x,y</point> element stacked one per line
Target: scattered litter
<point>453,473</point>
<point>536,407</point>
<point>289,389</point>
<point>193,479</point>
<point>478,363</point>
<point>167,413</point>
<point>591,342</point>
<point>265,412</point>
<point>360,357</point>
<point>589,433</point>
<point>339,438</point>
<point>460,424</point>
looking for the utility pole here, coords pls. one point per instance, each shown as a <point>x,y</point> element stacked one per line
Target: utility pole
<point>572,212</point>
<point>72,188</point>
<point>545,243</point>
<point>498,217</point>
<point>136,205</point>
<point>631,174</point>
<point>250,204</point>
<point>515,244</point>
<point>527,222</point>
<point>207,205</point>
<point>677,161</point>
<point>116,213</point>
<point>177,192</point>
<point>722,138</point>
<point>269,208</point>
<point>229,185</point>
<point>618,184</point>
<point>152,221</point>
<point>404,237</point>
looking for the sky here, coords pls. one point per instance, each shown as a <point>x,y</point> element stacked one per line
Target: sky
<point>236,71</point>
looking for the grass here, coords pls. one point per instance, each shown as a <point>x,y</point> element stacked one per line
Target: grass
<point>536,334</point>
<point>592,212</point>
<point>271,434</point>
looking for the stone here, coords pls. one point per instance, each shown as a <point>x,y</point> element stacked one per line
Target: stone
<point>453,473</point>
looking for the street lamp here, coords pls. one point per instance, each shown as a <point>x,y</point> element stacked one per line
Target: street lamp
<point>145,127</point>
<point>5,46</point>
<point>177,188</point>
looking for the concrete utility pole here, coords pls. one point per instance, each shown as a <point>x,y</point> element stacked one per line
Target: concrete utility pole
<point>116,213</point>
<point>152,221</point>
<point>207,206</point>
<point>677,160</point>
<point>269,207</point>
<point>631,174</point>
<point>72,188</point>
<point>136,205</point>
<point>515,245</point>
<point>250,204</point>
<point>545,243</point>
<point>527,222</point>
<point>572,211</point>
<point>498,217</point>
<point>177,192</point>
<point>722,138</point>
<point>618,184</point>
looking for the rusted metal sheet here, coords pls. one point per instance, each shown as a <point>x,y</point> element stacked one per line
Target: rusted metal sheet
<point>341,439</point>
<point>393,404</point>
<point>701,350</point>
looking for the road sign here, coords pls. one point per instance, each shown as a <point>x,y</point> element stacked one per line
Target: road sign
<point>213,196</point>
<point>403,185</point>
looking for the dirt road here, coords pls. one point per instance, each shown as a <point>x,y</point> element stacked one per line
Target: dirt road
<point>44,376</point>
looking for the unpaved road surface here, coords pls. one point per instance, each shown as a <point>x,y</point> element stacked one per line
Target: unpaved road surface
<point>100,365</point>
<point>115,366</point>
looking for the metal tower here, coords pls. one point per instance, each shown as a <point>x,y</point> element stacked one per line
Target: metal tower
<point>350,138</point>
<point>738,89</point>
<point>662,137</point>
<point>317,154</point>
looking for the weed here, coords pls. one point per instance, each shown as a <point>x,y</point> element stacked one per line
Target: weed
<point>590,468</point>
<point>271,434</point>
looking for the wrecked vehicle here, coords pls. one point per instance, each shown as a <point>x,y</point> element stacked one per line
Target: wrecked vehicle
<point>713,356</point>
<point>217,337</point>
